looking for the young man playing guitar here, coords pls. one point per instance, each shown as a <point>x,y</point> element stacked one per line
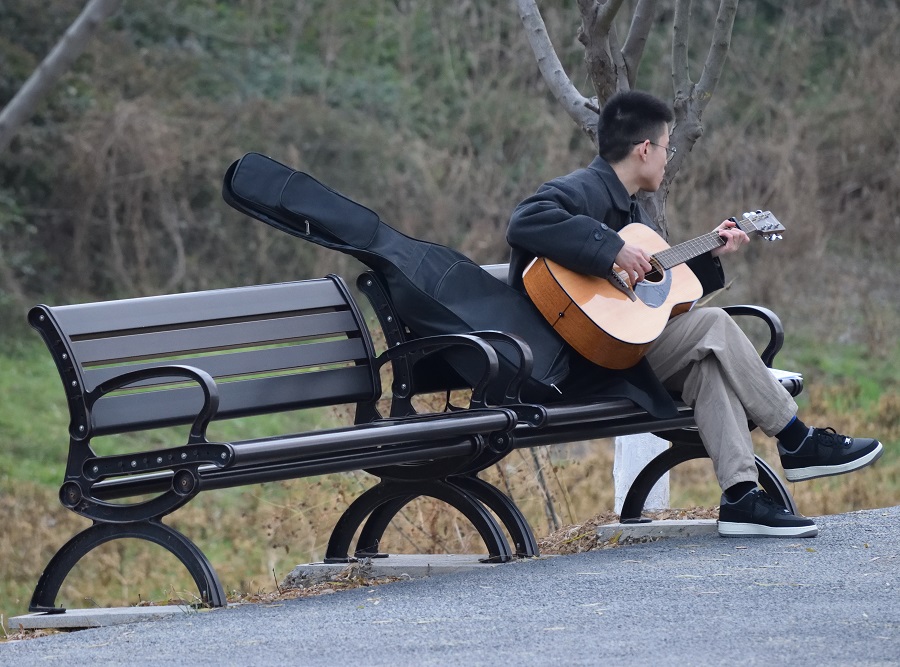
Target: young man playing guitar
<point>701,354</point>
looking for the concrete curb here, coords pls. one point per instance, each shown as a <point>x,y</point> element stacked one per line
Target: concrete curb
<point>79,619</point>
<point>625,533</point>
<point>413,566</point>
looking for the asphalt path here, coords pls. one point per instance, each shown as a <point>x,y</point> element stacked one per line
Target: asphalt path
<point>831,600</point>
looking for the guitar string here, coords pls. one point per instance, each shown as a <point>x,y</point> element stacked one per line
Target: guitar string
<point>682,252</point>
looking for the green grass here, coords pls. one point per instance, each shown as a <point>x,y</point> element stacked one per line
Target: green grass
<point>34,421</point>
<point>855,377</point>
<point>33,416</point>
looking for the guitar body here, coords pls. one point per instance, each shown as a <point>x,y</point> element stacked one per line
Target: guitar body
<point>600,321</point>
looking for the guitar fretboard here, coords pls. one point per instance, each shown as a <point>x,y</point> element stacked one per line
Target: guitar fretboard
<point>678,254</point>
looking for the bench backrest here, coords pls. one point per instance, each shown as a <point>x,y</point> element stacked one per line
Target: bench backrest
<point>431,375</point>
<point>270,348</point>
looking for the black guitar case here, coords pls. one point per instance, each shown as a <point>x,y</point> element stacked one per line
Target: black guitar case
<point>435,289</point>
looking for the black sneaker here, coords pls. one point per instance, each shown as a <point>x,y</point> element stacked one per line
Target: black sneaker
<point>824,452</point>
<point>758,515</point>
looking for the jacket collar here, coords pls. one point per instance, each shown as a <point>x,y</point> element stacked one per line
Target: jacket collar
<point>617,192</point>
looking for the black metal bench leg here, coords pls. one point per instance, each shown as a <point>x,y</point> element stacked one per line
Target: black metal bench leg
<point>490,496</point>
<point>368,545</point>
<point>506,510</point>
<point>182,548</point>
<point>387,492</point>
<point>342,535</point>
<point>643,484</point>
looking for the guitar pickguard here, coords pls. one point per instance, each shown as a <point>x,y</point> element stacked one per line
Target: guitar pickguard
<point>654,293</point>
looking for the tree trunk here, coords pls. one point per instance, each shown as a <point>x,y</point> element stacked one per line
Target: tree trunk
<point>60,59</point>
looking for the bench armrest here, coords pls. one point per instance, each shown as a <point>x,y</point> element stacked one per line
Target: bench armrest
<point>526,360</point>
<point>416,350</point>
<point>201,377</point>
<point>776,330</point>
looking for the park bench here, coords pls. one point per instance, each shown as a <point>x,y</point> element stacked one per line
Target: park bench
<point>147,363</point>
<point>190,359</point>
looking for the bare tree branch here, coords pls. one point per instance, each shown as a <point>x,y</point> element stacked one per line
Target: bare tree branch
<point>618,59</point>
<point>681,74</point>
<point>687,128</point>
<point>718,53</point>
<point>690,98</point>
<point>60,59</point>
<point>552,70</point>
<point>596,24</point>
<point>633,50</point>
<point>606,13</point>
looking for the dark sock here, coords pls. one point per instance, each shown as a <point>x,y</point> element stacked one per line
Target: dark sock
<point>792,435</point>
<point>738,491</point>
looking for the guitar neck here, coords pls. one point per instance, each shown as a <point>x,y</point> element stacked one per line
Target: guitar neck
<point>678,254</point>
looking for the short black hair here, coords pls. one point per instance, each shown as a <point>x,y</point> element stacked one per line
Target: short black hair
<point>627,118</point>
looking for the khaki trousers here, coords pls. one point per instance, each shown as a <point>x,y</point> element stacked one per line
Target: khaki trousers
<point>705,356</point>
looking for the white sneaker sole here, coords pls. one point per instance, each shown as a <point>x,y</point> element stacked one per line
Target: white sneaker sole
<point>731,529</point>
<point>812,472</point>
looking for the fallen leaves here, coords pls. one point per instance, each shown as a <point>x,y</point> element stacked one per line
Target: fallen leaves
<point>583,537</point>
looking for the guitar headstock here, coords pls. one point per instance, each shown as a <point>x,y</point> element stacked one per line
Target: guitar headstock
<point>763,223</point>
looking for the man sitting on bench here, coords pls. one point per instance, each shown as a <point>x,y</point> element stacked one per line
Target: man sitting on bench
<point>701,354</point>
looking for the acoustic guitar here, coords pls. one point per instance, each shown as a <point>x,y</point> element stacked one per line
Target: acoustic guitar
<point>612,321</point>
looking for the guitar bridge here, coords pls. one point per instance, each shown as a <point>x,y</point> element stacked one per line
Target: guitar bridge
<point>617,281</point>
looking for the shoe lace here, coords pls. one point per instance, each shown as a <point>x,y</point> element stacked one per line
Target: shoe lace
<point>766,499</point>
<point>831,438</point>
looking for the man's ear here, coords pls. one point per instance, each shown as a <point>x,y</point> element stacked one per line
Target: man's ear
<point>643,148</point>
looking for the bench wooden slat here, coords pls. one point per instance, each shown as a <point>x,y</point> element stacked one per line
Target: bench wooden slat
<point>233,364</point>
<point>171,407</point>
<point>197,339</point>
<point>182,309</point>
<point>270,348</point>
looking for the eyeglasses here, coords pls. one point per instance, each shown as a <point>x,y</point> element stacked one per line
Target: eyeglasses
<point>670,150</point>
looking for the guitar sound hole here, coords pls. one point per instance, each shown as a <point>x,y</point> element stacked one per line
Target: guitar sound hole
<point>653,276</point>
